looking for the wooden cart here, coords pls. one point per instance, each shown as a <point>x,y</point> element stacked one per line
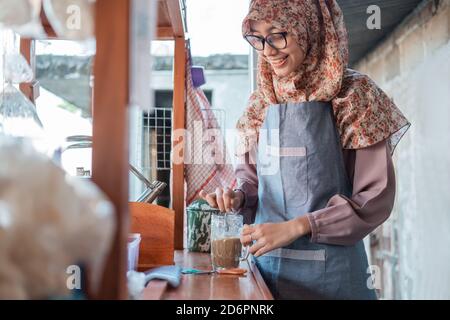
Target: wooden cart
<point>111,99</point>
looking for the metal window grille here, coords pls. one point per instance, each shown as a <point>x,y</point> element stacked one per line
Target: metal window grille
<point>157,130</point>
<point>157,137</point>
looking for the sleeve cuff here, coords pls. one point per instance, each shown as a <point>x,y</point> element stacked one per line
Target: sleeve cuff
<point>250,194</point>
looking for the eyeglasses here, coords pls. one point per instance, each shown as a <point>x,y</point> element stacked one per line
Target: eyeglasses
<point>275,40</point>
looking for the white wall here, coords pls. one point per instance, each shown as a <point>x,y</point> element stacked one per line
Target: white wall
<point>413,67</point>
<point>231,90</point>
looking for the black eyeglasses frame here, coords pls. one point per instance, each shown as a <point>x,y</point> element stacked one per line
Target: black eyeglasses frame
<point>264,40</point>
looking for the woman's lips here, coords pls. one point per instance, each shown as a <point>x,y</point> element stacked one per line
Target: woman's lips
<point>277,63</point>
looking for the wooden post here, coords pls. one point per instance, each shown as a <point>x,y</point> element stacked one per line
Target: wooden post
<point>51,34</point>
<point>179,101</point>
<point>110,131</point>
<point>29,89</point>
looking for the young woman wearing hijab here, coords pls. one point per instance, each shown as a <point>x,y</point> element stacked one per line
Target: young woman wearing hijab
<point>316,140</point>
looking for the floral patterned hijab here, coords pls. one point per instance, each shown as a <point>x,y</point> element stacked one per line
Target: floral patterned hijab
<point>364,114</point>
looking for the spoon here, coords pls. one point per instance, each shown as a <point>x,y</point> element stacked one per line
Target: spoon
<point>235,271</point>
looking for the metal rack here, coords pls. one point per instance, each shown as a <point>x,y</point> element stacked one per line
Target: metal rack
<point>157,131</point>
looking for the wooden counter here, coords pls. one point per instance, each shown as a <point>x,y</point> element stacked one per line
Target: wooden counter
<point>209,286</point>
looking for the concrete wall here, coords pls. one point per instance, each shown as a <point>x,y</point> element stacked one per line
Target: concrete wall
<point>413,66</point>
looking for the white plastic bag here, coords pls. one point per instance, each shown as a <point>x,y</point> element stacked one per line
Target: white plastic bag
<point>49,224</point>
<point>23,16</point>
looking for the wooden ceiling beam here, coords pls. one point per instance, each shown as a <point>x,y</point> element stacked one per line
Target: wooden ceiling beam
<point>164,33</point>
<point>176,20</point>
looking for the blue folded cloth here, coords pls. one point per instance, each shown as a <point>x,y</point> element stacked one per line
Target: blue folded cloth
<point>172,274</point>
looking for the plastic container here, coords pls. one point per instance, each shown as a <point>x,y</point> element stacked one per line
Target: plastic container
<point>198,76</point>
<point>199,226</point>
<point>134,241</point>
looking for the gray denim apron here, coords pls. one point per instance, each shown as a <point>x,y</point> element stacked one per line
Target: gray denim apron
<point>300,167</point>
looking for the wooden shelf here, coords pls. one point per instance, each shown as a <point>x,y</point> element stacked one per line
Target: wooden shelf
<point>111,97</point>
<point>110,122</point>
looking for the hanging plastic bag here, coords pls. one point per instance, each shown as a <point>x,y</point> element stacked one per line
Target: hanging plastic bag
<point>53,228</point>
<point>18,114</point>
<point>71,19</point>
<point>23,16</point>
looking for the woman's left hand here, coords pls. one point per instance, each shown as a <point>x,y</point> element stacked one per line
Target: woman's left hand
<point>270,236</point>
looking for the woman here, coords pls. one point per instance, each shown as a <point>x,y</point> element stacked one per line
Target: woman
<point>316,142</point>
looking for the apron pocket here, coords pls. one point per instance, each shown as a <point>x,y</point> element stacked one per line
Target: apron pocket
<point>269,269</point>
<point>301,273</point>
<point>294,173</point>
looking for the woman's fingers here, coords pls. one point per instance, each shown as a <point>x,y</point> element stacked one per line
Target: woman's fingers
<point>247,229</point>
<point>209,197</point>
<point>254,234</point>
<point>246,240</point>
<point>228,196</point>
<point>219,199</point>
<point>259,244</point>
<point>247,235</point>
<point>261,251</point>
<point>203,194</point>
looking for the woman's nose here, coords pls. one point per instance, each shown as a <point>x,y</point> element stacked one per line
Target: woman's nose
<point>269,51</point>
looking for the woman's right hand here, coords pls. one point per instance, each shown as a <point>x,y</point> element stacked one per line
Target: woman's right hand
<point>224,199</point>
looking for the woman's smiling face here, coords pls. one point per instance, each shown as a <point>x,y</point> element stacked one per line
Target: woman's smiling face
<point>283,61</point>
